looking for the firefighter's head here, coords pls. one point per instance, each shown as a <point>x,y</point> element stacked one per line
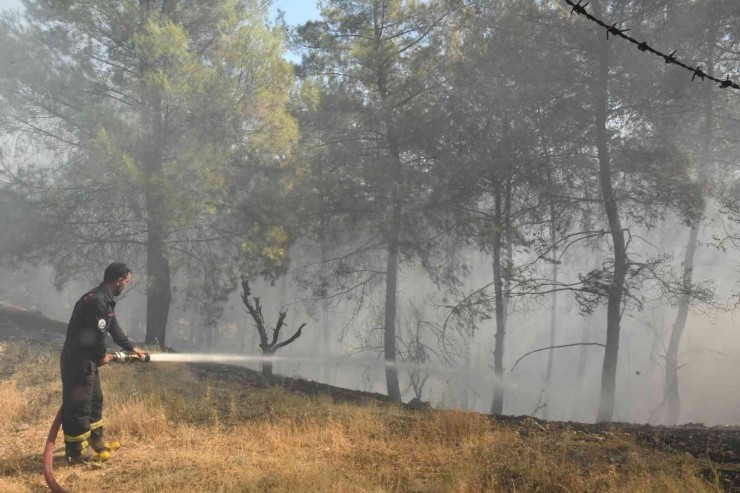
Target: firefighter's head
<point>117,276</point>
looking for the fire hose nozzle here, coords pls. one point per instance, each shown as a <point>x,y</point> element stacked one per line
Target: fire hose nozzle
<point>126,357</point>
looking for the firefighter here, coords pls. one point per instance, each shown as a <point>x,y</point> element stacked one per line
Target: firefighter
<point>84,351</point>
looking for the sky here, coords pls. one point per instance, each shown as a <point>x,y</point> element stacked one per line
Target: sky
<point>296,11</point>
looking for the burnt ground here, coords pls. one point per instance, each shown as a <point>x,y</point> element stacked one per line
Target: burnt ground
<point>718,446</point>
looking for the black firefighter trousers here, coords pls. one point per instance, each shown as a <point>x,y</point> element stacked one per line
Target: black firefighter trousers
<point>82,406</point>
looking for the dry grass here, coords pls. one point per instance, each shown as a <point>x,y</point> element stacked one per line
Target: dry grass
<point>181,433</point>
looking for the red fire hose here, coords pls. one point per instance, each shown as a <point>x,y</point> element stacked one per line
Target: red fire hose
<point>49,455</point>
<point>120,357</point>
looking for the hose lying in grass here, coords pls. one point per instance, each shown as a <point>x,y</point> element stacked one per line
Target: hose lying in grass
<point>49,455</point>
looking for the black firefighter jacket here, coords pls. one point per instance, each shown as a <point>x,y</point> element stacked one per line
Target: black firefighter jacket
<point>92,318</point>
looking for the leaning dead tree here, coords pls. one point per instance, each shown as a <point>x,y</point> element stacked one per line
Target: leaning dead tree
<point>268,347</point>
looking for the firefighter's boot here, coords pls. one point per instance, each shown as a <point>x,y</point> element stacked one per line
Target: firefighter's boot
<point>100,447</point>
<point>79,453</point>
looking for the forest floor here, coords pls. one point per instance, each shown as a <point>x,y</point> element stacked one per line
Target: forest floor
<point>216,428</point>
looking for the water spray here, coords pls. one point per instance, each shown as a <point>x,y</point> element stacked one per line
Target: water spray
<point>235,359</point>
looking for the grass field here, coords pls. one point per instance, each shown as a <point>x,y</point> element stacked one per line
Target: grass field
<point>184,433</point>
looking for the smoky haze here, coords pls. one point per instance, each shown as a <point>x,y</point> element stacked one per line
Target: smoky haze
<point>436,189</point>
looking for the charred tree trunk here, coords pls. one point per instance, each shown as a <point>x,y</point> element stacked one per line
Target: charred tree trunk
<point>269,346</point>
<point>267,365</point>
<point>616,287</point>
<point>671,395</point>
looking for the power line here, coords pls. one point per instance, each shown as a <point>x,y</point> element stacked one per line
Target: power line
<point>613,30</point>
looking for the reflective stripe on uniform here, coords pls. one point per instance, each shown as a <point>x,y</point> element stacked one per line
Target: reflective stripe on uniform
<point>96,425</point>
<point>78,438</point>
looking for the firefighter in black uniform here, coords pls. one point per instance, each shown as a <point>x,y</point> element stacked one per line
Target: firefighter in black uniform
<point>84,351</point>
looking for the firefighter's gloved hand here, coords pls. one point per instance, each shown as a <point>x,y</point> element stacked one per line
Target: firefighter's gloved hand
<point>139,353</point>
<point>107,359</point>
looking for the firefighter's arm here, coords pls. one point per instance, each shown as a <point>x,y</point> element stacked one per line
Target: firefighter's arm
<point>119,337</point>
<point>98,326</point>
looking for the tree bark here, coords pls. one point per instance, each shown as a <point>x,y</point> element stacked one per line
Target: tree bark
<point>497,406</point>
<point>393,231</point>
<point>670,389</point>
<point>159,294</point>
<point>616,287</point>
<point>391,308</point>
<point>553,306</point>
<point>267,365</point>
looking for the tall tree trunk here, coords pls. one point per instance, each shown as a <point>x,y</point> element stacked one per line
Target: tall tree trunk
<point>671,396</point>
<point>393,232</point>
<point>670,390</point>
<point>616,287</point>
<point>508,267</point>
<point>497,406</point>
<point>553,306</point>
<point>502,271</point>
<point>391,309</point>
<point>158,293</point>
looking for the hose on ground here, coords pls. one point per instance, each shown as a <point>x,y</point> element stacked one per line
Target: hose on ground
<point>49,455</point>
